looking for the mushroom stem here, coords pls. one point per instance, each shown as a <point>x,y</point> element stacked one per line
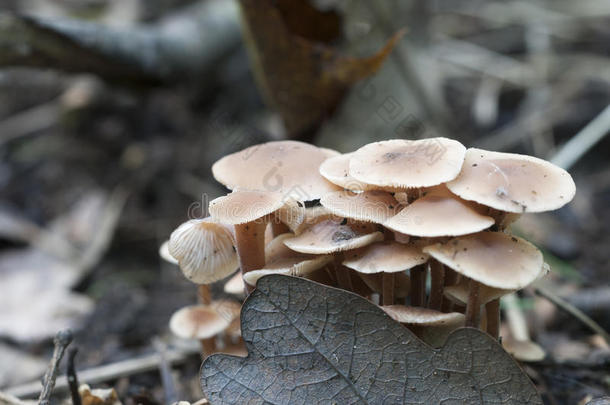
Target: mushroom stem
<point>473,307</point>
<point>278,228</point>
<point>343,277</point>
<point>250,243</point>
<point>388,288</point>
<point>203,292</point>
<point>451,278</point>
<point>437,281</point>
<point>492,310</point>
<point>418,285</point>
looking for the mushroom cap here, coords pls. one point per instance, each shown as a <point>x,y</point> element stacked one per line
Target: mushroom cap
<point>404,163</point>
<point>286,167</point>
<point>336,170</point>
<point>298,217</point>
<point>241,207</point>
<point>235,285</point>
<point>279,259</point>
<point>460,291</point>
<point>423,316</point>
<point>491,258</point>
<point>164,253</point>
<point>197,322</point>
<point>513,183</point>
<point>523,350</point>
<point>386,256</point>
<point>369,206</point>
<point>434,215</point>
<point>228,309</point>
<point>204,250</point>
<point>329,236</point>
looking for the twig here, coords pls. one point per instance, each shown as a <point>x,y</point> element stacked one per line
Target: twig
<point>110,371</point>
<point>572,310</point>
<point>167,380</point>
<point>72,377</point>
<point>61,342</point>
<point>580,144</point>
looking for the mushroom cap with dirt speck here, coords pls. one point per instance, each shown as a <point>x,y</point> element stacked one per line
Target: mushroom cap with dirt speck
<point>286,167</point>
<point>434,216</point>
<point>235,285</point>
<point>422,316</point>
<point>298,217</point>
<point>164,253</point>
<point>369,206</point>
<point>386,256</point>
<point>404,163</point>
<point>279,259</point>
<point>495,259</point>
<point>329,236</point>
<point>459,292</point>
<point>197,322</point>
<point>240,207</point>
<point>336,170</point>
<point>513,183</point>
<point>204,250</point>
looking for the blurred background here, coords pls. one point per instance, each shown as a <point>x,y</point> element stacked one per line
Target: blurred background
<point>113,111</point>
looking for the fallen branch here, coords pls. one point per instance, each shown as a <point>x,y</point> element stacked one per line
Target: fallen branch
<point>182,47</point>
<point>61,342</point>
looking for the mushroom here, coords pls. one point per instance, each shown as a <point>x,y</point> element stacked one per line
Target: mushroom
<point>512,183</point>
<point>297,217</point>
<point>386,257</point>
<point>494,259</point>
<point>368,206</point>
<point>402,164</point>
<point>286,167</point>
<point>279,259</point>
<point>336,170</point>
<point>431,326</point>
<point>204,251</point>
<point>437,215</point>
<point>202,322</point>
<point>249,212</point>
<point>235,285</point>
<point>328,236</point>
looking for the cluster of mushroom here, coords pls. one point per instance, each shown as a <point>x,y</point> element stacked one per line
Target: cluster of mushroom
<point>379,222</point>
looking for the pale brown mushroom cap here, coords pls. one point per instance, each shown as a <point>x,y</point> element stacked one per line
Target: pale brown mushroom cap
<point>279,259</point>
<point>235,285</point>
<point>404,163</point>
<point>298,218</point>
<point>459,292</point>
<point>491,258</point>
<point>204,250</point>
<point>369,206</point>
<point>513,183</point>
<point>329,236</point>
<point>423,316</point>
<point>228,309</point>
<point>286,167</point>
<point>386,256</point>
<point>241,207</point>
<point>336,170</point>
<point>197,322</point>
<point>164,253</point>
<point>434,215</point>
<point>523,350</point>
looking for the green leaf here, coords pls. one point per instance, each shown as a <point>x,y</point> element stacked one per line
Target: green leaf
<point>313,344</point>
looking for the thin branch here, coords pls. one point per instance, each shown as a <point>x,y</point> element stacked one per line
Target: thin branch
<point>61,342</point>
<point>72,377</point>
<point>182,47</point>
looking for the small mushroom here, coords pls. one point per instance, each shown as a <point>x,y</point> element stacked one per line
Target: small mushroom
<point>518,342</point>
<point>248,211</point>
<point>512,183</point>
<point>431,326</point>
<point>368,206</point>
<point>494,259</point>
<point>386,257</point>
<point>336,170</point>
<point>404,163</point>
<point>164,253</point>
<point>235,285</point>
<point>279,259</point>
<point>198,322</point>
<point>286,167</point>
<point>298,217</point>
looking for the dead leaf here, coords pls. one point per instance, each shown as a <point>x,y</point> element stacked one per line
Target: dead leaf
<point>300,77</point>
<point>309,343</point>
